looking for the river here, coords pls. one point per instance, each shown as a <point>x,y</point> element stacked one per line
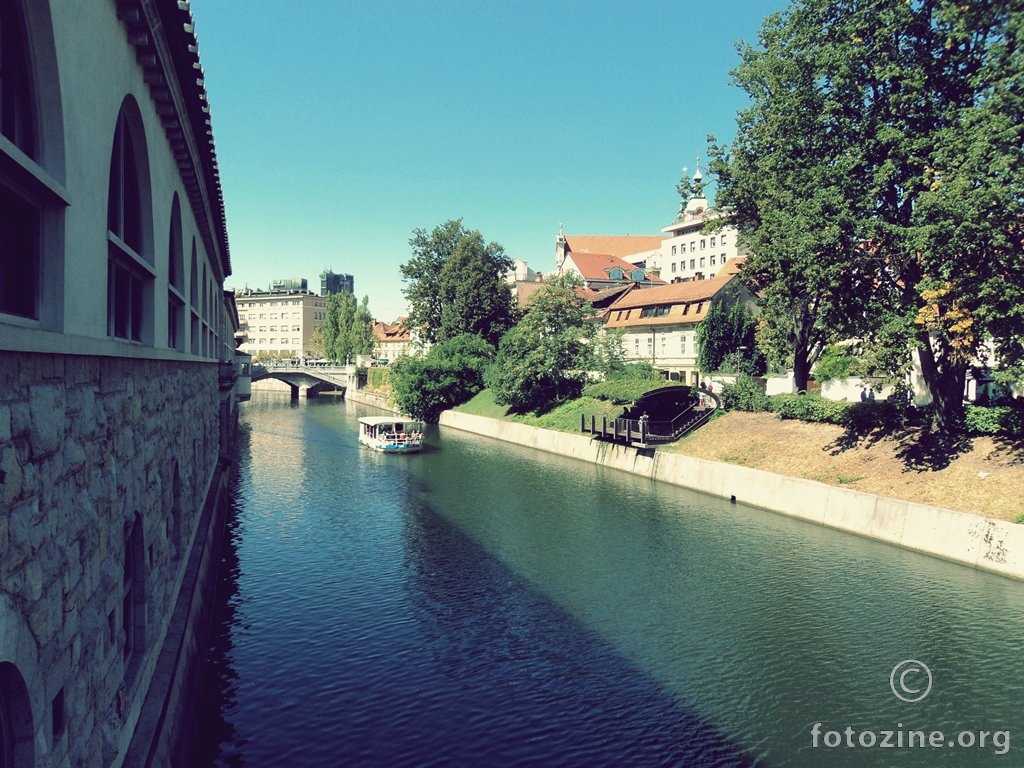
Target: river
<point>486,604</point>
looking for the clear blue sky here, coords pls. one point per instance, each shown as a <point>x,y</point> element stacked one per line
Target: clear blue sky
<point>343,125</point>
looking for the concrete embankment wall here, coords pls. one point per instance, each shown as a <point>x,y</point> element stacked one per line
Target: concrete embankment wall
<point>986,544</point>
<point>369,398</point>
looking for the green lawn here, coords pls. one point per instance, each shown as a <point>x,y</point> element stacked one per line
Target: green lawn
<point>564,418</point>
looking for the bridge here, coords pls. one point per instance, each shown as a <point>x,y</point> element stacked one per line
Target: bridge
<point>313,378</point>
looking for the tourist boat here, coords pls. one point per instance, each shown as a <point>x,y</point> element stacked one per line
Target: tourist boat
<point>389,434</point>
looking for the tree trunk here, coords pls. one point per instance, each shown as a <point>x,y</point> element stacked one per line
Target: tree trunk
<point>801,350</point>
<point>945,381</point>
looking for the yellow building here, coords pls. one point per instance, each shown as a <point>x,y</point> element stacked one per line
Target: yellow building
<point>280,324</point>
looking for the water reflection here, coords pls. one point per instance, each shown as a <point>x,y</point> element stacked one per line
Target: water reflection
<point>485,604</point>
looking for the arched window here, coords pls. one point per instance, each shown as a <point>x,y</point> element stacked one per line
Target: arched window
<point>17,747</point>
<point>17,116</point>
<point>194,299</point>
<point>19,219</point>
<point>637,276</point>
<point>615,273</point>
<point>175,281</point>
<point>129,266</point>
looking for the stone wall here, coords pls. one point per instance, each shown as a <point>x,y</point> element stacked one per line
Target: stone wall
<point>105,464</point>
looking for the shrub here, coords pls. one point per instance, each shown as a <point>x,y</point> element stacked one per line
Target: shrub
<point>809,408</point>
<point>996,420</point>
<point>745,395</point>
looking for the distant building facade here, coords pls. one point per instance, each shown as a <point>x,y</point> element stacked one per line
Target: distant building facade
<point>606,261</point>
<point>659,325</point>
<point>687,252</point>
<point>117,374</point>
<point>280,324</point>
<point>331,282</point>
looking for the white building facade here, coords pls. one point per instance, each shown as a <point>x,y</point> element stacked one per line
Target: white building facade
<point>280,325</point>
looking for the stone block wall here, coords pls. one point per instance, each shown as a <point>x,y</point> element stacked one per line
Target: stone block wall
<point>105,464</point>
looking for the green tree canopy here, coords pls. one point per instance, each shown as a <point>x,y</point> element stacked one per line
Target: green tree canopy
<point>726,336</point>
<point>348,327</point>
<point>455,284</point>
<point>475,297</point>
<point>450,374</point>
<point>545,357</point>
<point>877,178</point>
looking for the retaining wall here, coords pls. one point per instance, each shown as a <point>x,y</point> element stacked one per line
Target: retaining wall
<point>986,544</point>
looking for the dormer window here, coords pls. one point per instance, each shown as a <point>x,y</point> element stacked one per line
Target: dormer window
<point>615,273</point>
<point>638,276</point>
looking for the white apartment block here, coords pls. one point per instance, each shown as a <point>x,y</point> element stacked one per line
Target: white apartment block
<point>280,325</point>
<point>687,252</point>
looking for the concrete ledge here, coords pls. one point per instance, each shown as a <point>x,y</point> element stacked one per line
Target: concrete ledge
<point>980,542</point>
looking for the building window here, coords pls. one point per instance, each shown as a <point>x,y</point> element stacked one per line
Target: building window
<point>712,242</point>
<point>659,311</point>
<point>19,219</point>
<point>674,247</point>
<point>703,243</point>
<point>19,256</point>
<point>702,260</point>
<point>175,281</point>
<point>682,344</point>
<point>693,246</point>
<point>129,276</point>
<point>636,347</point>
<point>673,266</point>
<point>693,263</point>
<point>713,258</point>
<point>17,120</point>
<point>723,239</point>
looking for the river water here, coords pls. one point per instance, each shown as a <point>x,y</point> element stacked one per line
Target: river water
<point>482,604</point>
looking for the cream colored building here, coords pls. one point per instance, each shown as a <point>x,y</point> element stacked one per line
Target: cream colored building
<point>689,253</point>
<point>280,325</point>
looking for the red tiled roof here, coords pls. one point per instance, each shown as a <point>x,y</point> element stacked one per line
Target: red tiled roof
<point>687,302</point>
<point>614,245</point>
<point>595,266</point>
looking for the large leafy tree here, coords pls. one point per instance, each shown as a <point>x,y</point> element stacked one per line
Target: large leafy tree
<point>903,124</point>
<point>455,284</point>
<point>475,297</point>
<point>787,182</point>
<point>545,357</point>
<point>450,374</point>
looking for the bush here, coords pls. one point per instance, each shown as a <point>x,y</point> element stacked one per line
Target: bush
<point>813,408</point>
<point>627,385</point>
<point>996,420</point>
<point>745,395</point>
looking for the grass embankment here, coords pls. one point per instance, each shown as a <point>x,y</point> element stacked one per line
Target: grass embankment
<point>983,475</point>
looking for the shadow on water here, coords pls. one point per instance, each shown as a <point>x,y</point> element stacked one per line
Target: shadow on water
<point>484,670</point>
<point>513,679</point>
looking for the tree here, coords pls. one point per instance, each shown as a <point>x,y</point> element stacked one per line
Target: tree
<point>726,336</point>
<point>348,327</point>
<point>361,340</point>
<point>455,284</point>
<point>787,181</point>
<point>475,297</point>
<point>894,133</point>
<point>545,357</point>
<point>450,374</point>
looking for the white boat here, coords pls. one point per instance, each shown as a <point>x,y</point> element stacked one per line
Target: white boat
<point>391,434</point>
